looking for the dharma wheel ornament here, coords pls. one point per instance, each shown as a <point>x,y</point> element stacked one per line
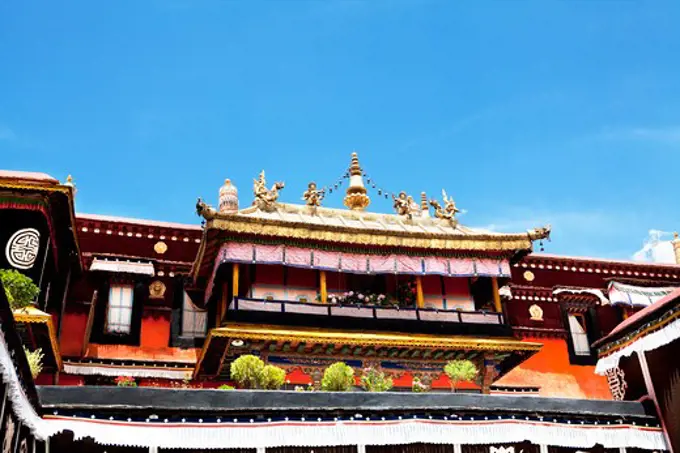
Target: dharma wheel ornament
<point>356,198</point>
<point>228,202</point>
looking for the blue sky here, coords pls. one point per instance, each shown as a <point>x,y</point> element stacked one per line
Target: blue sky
<point>526,112</point>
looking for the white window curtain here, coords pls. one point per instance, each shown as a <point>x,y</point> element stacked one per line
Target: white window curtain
<point>119,313</point>
<point>579,337</point>
<point>194,320</point>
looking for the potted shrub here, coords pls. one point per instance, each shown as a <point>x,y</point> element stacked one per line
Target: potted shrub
<point>246,371</point>
<point>20,289</point>
<point>373,380</point>
<point>35,361</point>
<point>272,377</point>
<point>338,377</point>
<point>459,371</point>
<point>250,372</point>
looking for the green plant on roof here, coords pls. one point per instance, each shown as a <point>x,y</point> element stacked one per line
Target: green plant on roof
<point>246,370</point>
<point>225,387</point>
<point>338,377</point>
<point>460,371</point>
<point>20,289</point>
<point>373,380</point>
<point>35,361</point>
<point>250,372</point>
<point>272,377</point>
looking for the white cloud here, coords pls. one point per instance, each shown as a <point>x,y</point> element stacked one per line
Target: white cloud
<point>656,248</point>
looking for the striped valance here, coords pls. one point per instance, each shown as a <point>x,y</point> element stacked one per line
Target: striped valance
<point>636,296</point>
<point>357,263</point>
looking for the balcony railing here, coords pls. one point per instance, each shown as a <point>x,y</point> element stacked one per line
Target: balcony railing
<point>366,311</point>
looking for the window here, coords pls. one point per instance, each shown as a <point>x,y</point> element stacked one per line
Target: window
<point>579,335</point>
<point>194,321</point>
<point>119,313</point>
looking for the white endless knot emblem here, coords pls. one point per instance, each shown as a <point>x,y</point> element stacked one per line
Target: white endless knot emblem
<point>22,248</point>
<point>617,383</point>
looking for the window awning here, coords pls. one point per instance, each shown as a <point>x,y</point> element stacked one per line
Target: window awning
<point>636,296</point>
<point>123,266</point>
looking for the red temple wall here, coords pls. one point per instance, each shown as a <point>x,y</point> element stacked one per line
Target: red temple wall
<point>608,317</point>
<point>155,332</point>
<point>550,370</point>
<point>72,333</point>
<point>518,314</point>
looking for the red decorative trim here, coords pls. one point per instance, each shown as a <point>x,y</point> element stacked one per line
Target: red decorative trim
<point>605,268</point>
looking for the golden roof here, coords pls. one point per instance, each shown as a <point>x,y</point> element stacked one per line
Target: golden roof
<point>367,228</point>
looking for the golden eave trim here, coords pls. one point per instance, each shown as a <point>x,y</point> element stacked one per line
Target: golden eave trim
<point>346,235</point>
<point>274,333</point>
<point>35,316</point>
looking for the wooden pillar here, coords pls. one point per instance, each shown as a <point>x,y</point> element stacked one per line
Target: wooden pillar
<point>420,298</point>
<point>234,280</point>
<point>323,289</point>
<point>62,309</point>
<point>222,306</point>
<point>496,295</point>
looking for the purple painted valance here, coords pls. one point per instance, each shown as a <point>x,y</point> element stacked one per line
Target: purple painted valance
<point>358,263</point>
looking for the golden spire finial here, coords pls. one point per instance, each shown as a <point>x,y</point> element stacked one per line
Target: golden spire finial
<point>424,207</point>
<point>356,198</point>
<point>69,180</point>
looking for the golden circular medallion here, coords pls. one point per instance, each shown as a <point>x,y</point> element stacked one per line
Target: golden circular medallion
<point>160,247</point>
<point>529,276</point>
<point>157,290</point>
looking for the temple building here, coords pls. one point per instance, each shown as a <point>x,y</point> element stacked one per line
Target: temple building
<point>170,306</point>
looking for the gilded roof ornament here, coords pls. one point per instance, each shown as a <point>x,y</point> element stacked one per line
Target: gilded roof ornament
<point>540,233</point>
<point>204,210</point>
<point>448,211</point>
<point>265,199</point>
<point>228,201</point>
<point>313,196</point>
<point>405,205</point>
<point>356,198</point>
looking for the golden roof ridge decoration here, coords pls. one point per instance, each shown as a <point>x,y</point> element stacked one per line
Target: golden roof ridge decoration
<point>266,199</point>
<point>356,198</point>
<point>313,196</point>
<point>412,227</point>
